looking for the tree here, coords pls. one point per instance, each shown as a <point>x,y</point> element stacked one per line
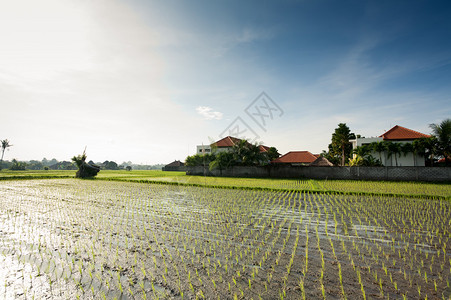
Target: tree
<point>393,149</point>
<point>199,159</point>
<point>340,146</point>
<point>378,147</point>
<point>426,147</point>
<point>222,161</point>
<point>362,151</point>
<point>442,132</point>
<point>247,154</point>
<point>5,145</point>
<point>110,165</point>
<point>332,158</point>
<point>272,154</point>
<point>364,158</point>
<point>18,165</point>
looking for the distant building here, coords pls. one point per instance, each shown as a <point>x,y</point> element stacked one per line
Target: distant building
<point>223,145</point>
<point>296,158</point>
<point>397,134</point>
<point>176,165</point>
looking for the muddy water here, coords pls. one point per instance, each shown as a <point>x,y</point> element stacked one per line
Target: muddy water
<point>62,239</point>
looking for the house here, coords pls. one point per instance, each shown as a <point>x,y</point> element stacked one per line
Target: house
<point>397,134</point>
<point>224,144</point>
<point>296,158</point>
<point>176,165</point>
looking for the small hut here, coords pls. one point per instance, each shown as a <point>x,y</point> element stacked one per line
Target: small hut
<point>176,165</point>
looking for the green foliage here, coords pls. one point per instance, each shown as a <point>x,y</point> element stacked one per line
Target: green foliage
<point>110,165</point>
<point>371,161</point>
<point>241,154</point>
<point>222,161</point>
<point>18,165</point>
<point>199,159</point>
<point>442,134</point>
<point>364,159</point>
<point>335,160</point>
<point>272,154</point>
<point>247,154</point>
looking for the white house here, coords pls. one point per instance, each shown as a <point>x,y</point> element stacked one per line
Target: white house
<point>397,134</point>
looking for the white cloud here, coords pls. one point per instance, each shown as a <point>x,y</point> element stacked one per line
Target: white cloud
<point>208,113</point>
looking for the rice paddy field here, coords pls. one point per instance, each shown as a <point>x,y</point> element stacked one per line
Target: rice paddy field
<point>165,235</point>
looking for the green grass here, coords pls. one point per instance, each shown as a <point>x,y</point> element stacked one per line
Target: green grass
<point>35,174</point>
<point>413,189</point>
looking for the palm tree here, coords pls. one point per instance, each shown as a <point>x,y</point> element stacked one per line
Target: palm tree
<point>5,145</point>
<point>442,133</point>
<point>378,147</point>
<point>362,151</point>
<point>407,148</point>
<point>393,149</point>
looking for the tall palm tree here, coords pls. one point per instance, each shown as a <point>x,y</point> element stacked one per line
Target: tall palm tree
<point>378,147</point>
<point>393,149</point>
<point>5,145</point>
<point>442,132</point>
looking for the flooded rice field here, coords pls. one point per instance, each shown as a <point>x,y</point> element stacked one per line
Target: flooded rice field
<point>67,238</point>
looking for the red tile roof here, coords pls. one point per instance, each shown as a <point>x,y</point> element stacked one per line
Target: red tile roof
<point>402,133</point>
<point>263,148</point>
<point>304,157</point>
<point>230,141</point>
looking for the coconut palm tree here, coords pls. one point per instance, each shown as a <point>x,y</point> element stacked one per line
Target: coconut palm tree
<point>393,149</point>
<point>378,147</point>
<point>5,145</point>
<point>442,132</point>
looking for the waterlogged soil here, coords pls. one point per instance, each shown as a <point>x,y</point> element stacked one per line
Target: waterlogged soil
<point>67,238</point>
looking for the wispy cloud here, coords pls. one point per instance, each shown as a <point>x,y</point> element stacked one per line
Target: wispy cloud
<point>208,113</point>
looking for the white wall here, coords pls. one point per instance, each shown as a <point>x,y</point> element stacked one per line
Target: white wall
<point>403,161</point>
<point>200,149</point>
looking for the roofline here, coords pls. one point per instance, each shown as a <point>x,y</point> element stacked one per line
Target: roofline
<point>403,139</point>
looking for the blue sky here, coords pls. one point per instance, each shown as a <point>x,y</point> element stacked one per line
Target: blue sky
<point>147,81</point>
